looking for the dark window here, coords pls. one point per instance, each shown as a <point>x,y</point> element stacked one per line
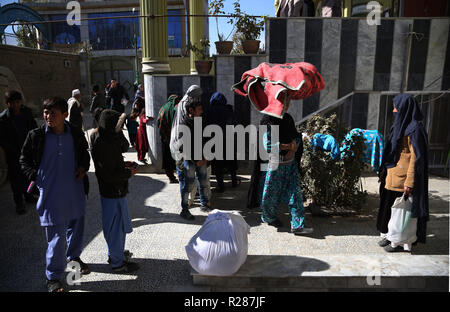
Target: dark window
<point>113,33</point>
<point>63,32</point>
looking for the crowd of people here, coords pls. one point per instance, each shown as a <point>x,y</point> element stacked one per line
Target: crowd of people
<point>48,165</point>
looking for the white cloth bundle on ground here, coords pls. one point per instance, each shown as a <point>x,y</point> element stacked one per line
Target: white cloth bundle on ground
<point>220,247</point>
<point>402,226</point>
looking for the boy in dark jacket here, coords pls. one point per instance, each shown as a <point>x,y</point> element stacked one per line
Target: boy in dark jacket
<point>15,122</point>
<point>112,176</point>
<point>55,156</point>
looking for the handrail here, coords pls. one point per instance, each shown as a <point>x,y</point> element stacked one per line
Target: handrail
<point>340,100</point>
<point>326,107</point>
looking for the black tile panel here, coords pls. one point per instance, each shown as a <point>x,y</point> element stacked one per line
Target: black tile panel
<point>310,104</point>
<point>360,107</point>
<point>446,76</point>
<point>348,53</point>
<point>277,37</point>
<point>419,51</point>
<point>383,55</point>
<point>313,55</point>
<point>313,42</point>
<point>241,103</point>
<point>207,83</point>
<point>175,85</point>
<point>382,114</point>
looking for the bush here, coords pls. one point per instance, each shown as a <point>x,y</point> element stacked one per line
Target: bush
<point>332,185</point>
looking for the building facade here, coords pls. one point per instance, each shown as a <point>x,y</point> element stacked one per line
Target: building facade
<point>393,8</point>
<point>111,36</point>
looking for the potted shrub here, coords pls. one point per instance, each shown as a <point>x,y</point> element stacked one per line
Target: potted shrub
<point>204,63</point>
<point>249,28</point>
<point>332,186</point>
<point>223,46</point>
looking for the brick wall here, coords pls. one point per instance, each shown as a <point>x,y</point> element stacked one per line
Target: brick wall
<point>42,73</point>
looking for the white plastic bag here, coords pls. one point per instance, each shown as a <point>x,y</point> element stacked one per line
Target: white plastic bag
<point>402,226</point>
<point>220,247</point>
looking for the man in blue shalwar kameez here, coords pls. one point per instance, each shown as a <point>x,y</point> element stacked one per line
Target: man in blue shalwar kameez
<point>55,156</point>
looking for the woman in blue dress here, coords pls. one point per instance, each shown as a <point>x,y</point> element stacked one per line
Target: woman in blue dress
<point>281,182</point>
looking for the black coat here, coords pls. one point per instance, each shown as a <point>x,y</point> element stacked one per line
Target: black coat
<point>222,115</point>
<point>107,149</point>
<point>114,98</point>
<point>98,100</point>
<point>408,122</point>
<point>33,149</point>
<point>10,136</point>
<point>420,208</point>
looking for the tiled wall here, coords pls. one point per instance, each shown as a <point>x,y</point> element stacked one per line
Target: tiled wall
<point>165,85</point>
<point>229,70</point>
<point>354,56</point>
<point>351,56</point>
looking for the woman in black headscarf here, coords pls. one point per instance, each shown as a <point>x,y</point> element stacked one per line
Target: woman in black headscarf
<point>405,162</point>
<point>221,114</point>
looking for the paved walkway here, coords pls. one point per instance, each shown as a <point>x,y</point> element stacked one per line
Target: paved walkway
<point>159,236</point>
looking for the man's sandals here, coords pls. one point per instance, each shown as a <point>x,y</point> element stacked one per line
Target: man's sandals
<point>84,269</point>
<point>57,286</point>
<point>54,286</point>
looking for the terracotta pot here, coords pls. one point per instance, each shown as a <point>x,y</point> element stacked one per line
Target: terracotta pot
<point>250,46</point>
<point>224,47</point>
<point>203,67</point>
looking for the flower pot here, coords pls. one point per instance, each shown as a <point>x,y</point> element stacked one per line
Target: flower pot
<point>203,67</point>
<point>250,46</point>
<point>224,47</point>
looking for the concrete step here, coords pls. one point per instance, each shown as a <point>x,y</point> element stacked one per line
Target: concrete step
<point>397,272</point>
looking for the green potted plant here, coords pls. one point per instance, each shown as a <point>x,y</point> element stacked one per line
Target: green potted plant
<point>249,28</point>
<point>223,46</point>
<point>204,63</point>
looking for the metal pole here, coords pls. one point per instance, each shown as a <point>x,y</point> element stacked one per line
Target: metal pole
<point>401,9</point>
<point>136,61</point>
<point>408,59</point>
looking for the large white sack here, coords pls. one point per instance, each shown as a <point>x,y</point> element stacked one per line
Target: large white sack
<point>220,247</point>
<point>402,226</point>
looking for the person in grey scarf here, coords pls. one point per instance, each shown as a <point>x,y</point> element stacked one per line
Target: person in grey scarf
<point>182,149</point>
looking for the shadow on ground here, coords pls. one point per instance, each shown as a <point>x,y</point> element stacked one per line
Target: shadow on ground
<point>256,265</point>
<point>22,239</point>
<point>147,278</point>
<point>362,223</point>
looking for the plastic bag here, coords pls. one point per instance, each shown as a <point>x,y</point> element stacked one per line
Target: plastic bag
<point>402,226</point>
<point>220,247</point>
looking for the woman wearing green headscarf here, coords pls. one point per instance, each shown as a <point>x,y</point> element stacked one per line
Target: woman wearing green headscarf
<point>165,119</point>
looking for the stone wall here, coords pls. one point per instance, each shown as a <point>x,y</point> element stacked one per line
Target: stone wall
<point>157,89</point>
<point>42,73</point>
<point>354,56</point>
<point>351,56</point>
<point>229,70</point>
